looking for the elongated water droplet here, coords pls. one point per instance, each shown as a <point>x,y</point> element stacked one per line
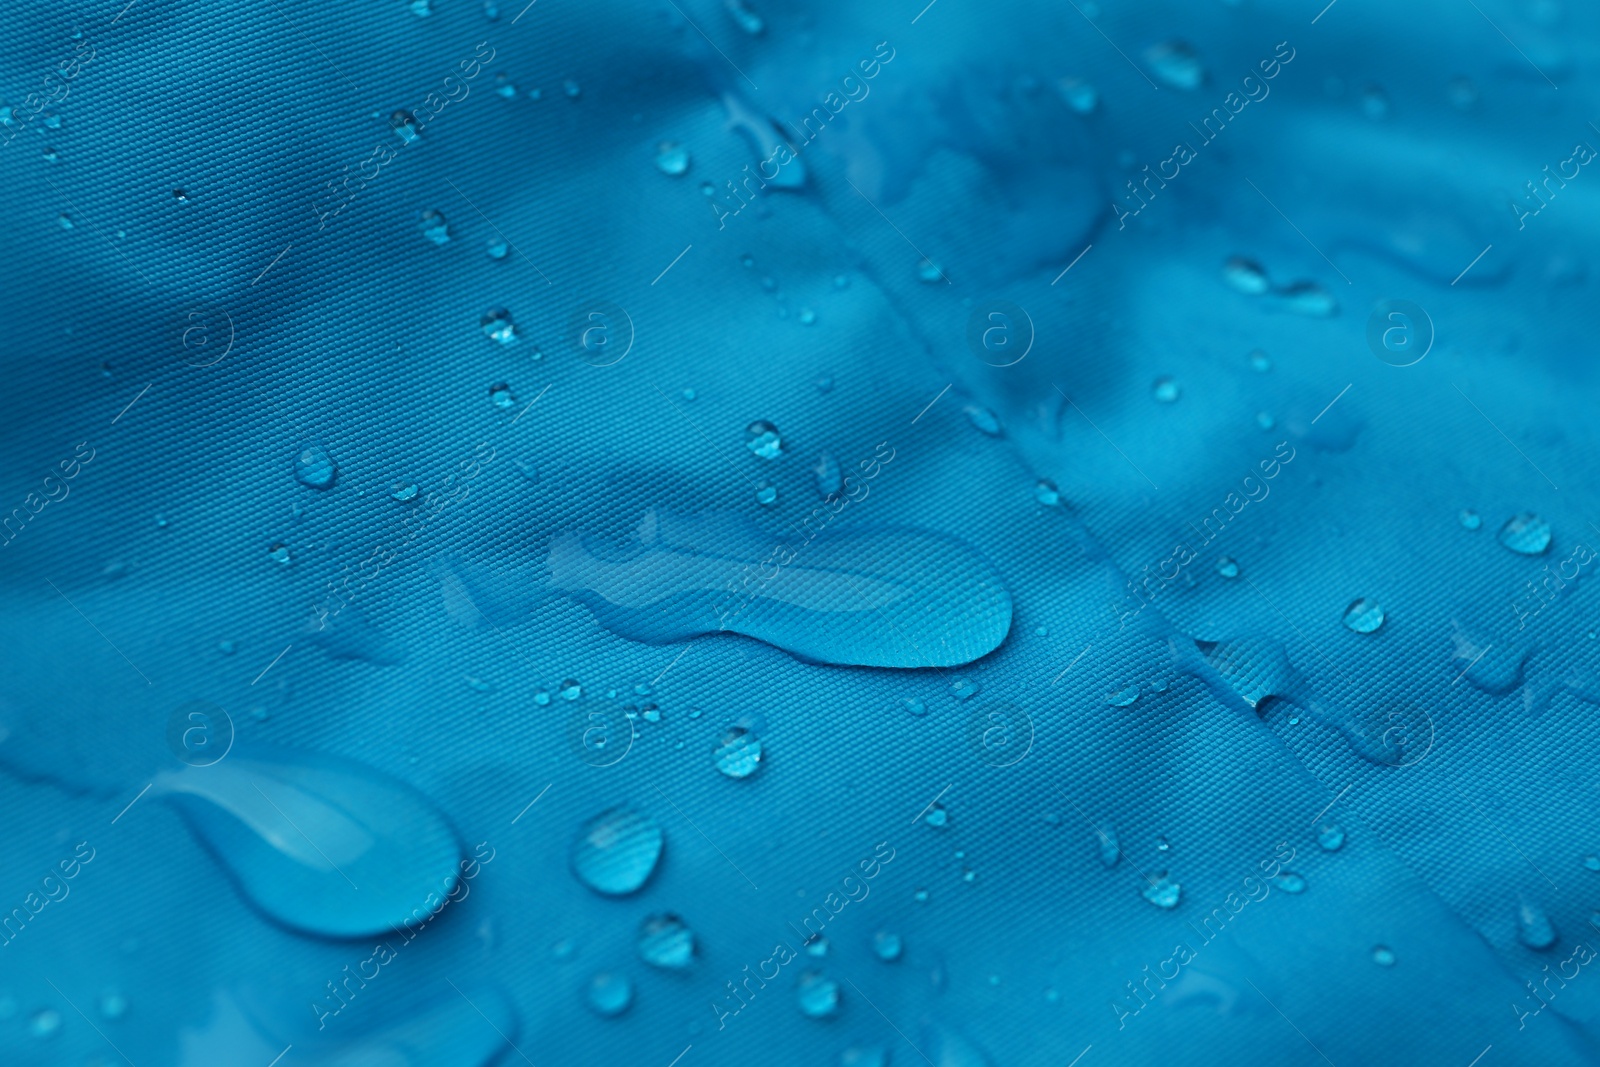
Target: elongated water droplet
<point>323,846</point>
<point>984,419</point>
<point>1526,534</point>
<point>616,851</point>
<point>1309,299</point>
<point>1123,697</point>
<point>1246,276</point>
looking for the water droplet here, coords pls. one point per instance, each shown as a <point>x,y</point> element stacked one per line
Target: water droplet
<point>968,875</point>
<point>226,647</point>
<point>1309,299</point>
<point>278,553</point>
<point>497,326</point>
<point>964,688</point>
<point>1592,862</point>
<point>1469,519</point>
<point>1330,836</point>
<point>313,466</point>
<point>44,1023</point>
<point>881,597</point>
<point>433,227</point>
<point>1166,390</point>
<point>113,1005</point>
<point>1526,534</point>
<point>64,222</point>
<point>501,396</point>
<point>1046,493</point>
<point>609,994</point>
<point>815,946</point>
<point>1259,362</point>
<point>1110,850</point>
<point>1227,567</point>
<point>666,941</point>
<point>824,383</point>
<point>829,477</point>
<point>380,846</point>
<point>571,690</point>
<point>1163,845</point>
<point>1265,421</point>
<point>929,272</point>
<point>761,438</point>
<point>616,851</point>
<point>817,995</point>
<point>887,946</point>
<point>421,8</point>
<point>541,698</point>
<point>477,684</point>
<point>1246,276</point>
<point>936,817</point>
<point>766,494</point>
<point>748,20</point>
<point>496,247</point>
<point>405,492</point>
<point>1375,103</point>
<point>738,754</point>
<point>526,468</point>
<point>688,394</point>
<point>404,124</point>
<point>1077,94</point>
<point>920,896</point>
<point>652,713</point>
<point>1363,615</point>
<point>983,419</point>
<point>1177,64</point>
<point>571,88</point>
<point>1123,697</point>
<point>51,156</point>
<point>1383,956</point>
<point>1290,882</point>
<point>807,316</point>
<point>51,120</point>
<point>914,706</point>
<point>1534,928</point>
<point>672,158</point>
<point>1162,893</point>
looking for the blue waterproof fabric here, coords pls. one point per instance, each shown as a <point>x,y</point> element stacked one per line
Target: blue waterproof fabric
<point>190,305</point>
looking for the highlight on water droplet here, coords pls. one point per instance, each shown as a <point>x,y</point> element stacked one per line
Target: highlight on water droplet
<point>738,754</point>
<point>666,941</point>
<point>1363,616</point>
<point>817,995</point>
<point>608,994</point>
<point>616,851</point>
<point>1525,534</point>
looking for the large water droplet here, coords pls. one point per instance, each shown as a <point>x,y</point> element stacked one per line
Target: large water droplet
<point>761,438</point>
<point>323,846</point>
<point>817,995</point>
<point>1526,534</point>
<point>1363,616</point>
<point>1162,892</point>
<point>1177,64</point>
<point>497,326</point>
<point>873,598</point>
<point>608,994</point>
<point>666,941</point>
<point>672,158</point>
<point>738,754</point>
<point>1246,276</point>
<point>434,227</point>
<point>313,466</point>
<point>616,851</point>
<point>1534,928</point>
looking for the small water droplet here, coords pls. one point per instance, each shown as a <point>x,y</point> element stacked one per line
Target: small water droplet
<point>1309,299</point>
<point>501,396</point>
<point>968,875</point>
<point>766,494</point>
<point>1526,534</point>
<point>1110,850</point>
<point>616,851</point>
<point>666,941</point>
<point>1260,362</point>
<point>1177,64</point>
<point>563,949</point>
<point>113,1005</point>
<point>404,124</point>
<point>914,706</point>
<point>1246,276</point>
<point>51,120</point>
<point>672,158</point>
<point>920,896</point>
<point>1469,519</point>
<point>497,326</point>
<point>279,552</point>
<point>929,272</point>
<point>984,419</point>
<point>51,156</point>
<point>64,221</point>
<point>477,684</point>
<point>1046,493</point>
<point>421,8</point>
<point>1289,882</point>
<point>571,690</point>
<point>887,946</point>
<point>738,754</point>
<point>1077,94</point>
<point>1163,845</point>
<point>1162,893</point>
<point>609,994</point>
<point>571,88</point>
<point>816,946</point>
<point>650,713</point>
<point>1383,956</point>
<point>817,995</point>
<point>936,817</point>
<point>1123,697</point>
<point>496,247</point>
<point>1265,421</point>
<point>1534,928</point>
<point>1463,94</point>
<point>541,698</point>
<point>761,438</point>
<point>404,492</point>
<point>1166,390</point>
<point>828,475</point>
<point>688,394</point>
<point>963,688</point>
<point>1227,567</point>
<point>1330,836</point>
<point>226,647</point>
<point>864,1056</point>
<point>748,20</point>
<point>46,1022</point>
<point>434,227</point>
<point>1363,616</point>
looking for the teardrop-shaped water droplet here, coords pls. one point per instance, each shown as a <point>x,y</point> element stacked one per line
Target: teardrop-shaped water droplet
<point>1246,276</point>
<point>878,597</point>
<point>738,754</point>
<point>1162,892</point>
<point>324,846</point>
<point>497,326</point>
<point>1526,534</point>
<point>1363,616</point>
<point>608,994</point>
<point>666,941</point>
<point>313,466</point>
<point>1534,928</point>
<point>761,438</point>
<point>817,995</point>
<point>616,851</point>
<point>984,419</point>
<point>433,227</point>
